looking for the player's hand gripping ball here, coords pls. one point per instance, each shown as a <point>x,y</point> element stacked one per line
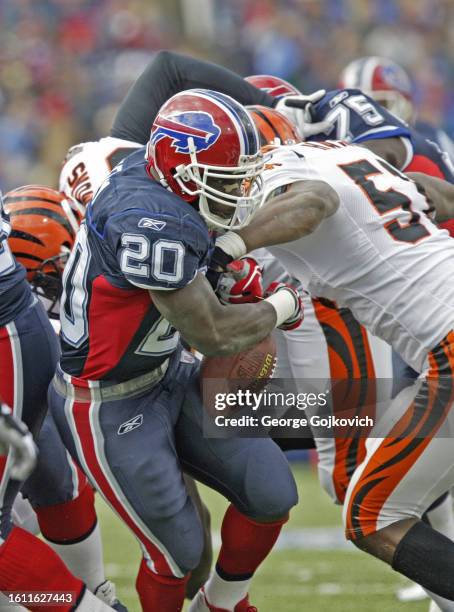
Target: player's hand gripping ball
<point>250,370</point>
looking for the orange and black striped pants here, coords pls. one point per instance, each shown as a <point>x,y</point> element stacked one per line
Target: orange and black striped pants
<point>411,463</point>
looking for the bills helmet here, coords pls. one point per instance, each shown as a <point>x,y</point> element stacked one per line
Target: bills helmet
<point>383,80</point>
<point>43,229</point>
<point>275,86</point>
<point>87,164</point>
<point>273,127</point>
<point>205,147</point>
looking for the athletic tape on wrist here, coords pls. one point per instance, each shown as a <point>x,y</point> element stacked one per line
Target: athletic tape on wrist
<point>232,244</point>
<point>284,304</point>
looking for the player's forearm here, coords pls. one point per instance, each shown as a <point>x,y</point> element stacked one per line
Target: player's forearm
<point>439,192</point>
<point>290,216</point>
<point>214,329</point>
<point>239,327</point>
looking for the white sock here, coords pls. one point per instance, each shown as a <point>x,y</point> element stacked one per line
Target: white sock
<point>24,516</point>
<point>225,593</point>
<point>90,603</point>
<point>443,604</point>
<point>84,558</point>
<point>442,518</point>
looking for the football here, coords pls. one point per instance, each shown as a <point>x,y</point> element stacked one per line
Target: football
<point>251,369</point>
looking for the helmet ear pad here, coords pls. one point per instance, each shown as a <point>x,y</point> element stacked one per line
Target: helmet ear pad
<point>199,136</point>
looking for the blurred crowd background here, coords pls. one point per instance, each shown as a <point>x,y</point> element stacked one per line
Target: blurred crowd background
<point>65,64</point>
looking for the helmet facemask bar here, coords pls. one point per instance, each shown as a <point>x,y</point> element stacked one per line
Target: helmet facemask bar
<point>247,176</point>
<point>47,280</point>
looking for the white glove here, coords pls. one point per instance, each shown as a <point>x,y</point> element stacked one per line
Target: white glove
<point>15,437</point>
<point>298,110</point>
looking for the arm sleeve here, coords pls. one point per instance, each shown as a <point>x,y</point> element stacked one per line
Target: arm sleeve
<point>429,158</point>
<point>167,74</point>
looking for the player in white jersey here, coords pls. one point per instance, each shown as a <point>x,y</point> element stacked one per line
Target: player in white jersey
<point>331,347</point>
<point>354,230</point>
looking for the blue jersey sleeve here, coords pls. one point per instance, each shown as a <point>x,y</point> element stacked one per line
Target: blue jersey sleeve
<point>438,136</point>
<point>429,158</point>
<point>159,251</point>
<point>355,117</point>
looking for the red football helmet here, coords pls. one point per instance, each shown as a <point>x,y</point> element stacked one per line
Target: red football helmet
<point>43,229</point>
<point>274,86</point>
<point>273,127</point>
<point>383,80</point>
<point>204,146</point>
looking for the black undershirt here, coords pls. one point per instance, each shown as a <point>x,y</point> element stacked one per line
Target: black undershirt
<point>167,74</point>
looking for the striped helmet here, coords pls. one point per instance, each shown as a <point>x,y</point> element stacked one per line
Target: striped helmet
<point>383,80</point>
<point>43,229</point>
<point>204,147</point>
<point>273,127</point>
<point>275,86</point>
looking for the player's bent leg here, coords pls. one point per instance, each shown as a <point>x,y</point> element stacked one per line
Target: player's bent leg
<point>137,471</point>
<point>255,476</point>
<point>200,574</point>
<point>440,515</point>
<point>64,504</point>
<point>402,475</point>
<point>25,561</point>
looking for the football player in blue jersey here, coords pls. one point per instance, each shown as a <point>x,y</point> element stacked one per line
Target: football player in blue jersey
<point>387,82</point>
<point>43,228</point>
<point>27,563</point>
<point>126,397</point>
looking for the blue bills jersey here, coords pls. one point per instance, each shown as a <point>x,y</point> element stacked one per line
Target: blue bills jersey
<point>437,136</point>
<point>355,117</point>
<point>137,236</point>
<point>15,294</point>
<point>429,158</point>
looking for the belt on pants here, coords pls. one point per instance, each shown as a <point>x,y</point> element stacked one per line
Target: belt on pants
<point>96,392</point>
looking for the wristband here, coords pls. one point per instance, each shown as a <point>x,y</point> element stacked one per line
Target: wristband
<point>232,244</point>
<point>284,304</point>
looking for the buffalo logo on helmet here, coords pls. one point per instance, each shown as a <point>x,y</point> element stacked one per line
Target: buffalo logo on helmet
<point>395,78</point>
<point>180,127</point>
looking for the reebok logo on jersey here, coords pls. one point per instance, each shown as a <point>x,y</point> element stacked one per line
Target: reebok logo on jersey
<point>128,426</point>
<point>152,224</point>
<point>338,98</point>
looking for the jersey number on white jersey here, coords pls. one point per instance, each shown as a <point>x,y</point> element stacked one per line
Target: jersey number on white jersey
<point>361,172</point>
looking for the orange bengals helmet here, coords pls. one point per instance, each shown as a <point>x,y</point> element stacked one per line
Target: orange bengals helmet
<point>43,229</point>
<point>273,127</point>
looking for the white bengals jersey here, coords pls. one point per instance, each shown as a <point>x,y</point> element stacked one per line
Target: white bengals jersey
<point>379,254</point>
<point>87,164</point>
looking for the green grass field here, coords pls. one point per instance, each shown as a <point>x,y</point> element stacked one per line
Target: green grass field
<point>290,580</point>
